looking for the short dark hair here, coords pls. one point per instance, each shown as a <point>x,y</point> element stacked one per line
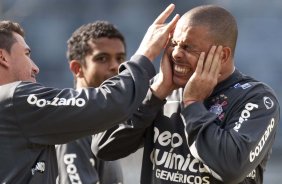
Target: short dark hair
<point>221,23</point>
<point>7,28</point>
<point>78,46</point>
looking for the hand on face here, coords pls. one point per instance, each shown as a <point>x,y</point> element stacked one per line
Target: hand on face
<point>205,77</point>
<point>157,34</point>
<point>164,85</point>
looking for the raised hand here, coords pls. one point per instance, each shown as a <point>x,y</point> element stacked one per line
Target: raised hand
<point>205,78</point>
<point>157,34</point>
<point>164,85</point>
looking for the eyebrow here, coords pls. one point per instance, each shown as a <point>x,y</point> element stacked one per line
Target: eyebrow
<point>105,53</point>
<point>121,53</point>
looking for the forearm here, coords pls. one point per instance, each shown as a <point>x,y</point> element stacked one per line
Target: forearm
<point>230,154</point>
<point>77,113</point>
<point>125,139</point>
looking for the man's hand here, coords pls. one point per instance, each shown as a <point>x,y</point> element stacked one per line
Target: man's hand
<point>205,78</point>
<point>157,34</point>
<point>164,85</point>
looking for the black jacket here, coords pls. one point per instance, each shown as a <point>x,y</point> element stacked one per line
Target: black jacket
<point>78,165</point>
<point>225,139</point>
<point>34,118</point>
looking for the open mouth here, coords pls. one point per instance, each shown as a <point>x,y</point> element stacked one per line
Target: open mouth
<point>182,70</point>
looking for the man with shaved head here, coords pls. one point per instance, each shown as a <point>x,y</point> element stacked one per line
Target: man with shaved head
<point>205,121</point>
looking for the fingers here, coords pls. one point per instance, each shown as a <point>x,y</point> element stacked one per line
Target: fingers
<point>209,59</point>
<point>213,59</point>
<point>171,25</point>
<point>216,64</point>
<point>164,15</point>
<point>167,44</point>
<point>200,64</point>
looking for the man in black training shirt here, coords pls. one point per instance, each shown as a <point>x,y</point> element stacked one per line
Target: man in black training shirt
<point>209,124</point>
<point>95,51</point>
<point>34,118</point>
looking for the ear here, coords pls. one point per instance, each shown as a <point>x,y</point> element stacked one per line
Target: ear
<point>76,68</point>
<point>226,55</point>
<point>3,58</point>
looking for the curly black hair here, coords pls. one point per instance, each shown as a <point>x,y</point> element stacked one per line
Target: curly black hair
<point>78,46</point>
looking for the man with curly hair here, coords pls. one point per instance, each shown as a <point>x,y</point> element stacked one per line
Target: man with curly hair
<point>95,51</point>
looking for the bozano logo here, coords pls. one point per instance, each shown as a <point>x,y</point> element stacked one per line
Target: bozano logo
<point>34,100</point>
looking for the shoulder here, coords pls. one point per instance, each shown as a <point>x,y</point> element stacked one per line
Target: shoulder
<point>251,86</point>
<point>7,90</point>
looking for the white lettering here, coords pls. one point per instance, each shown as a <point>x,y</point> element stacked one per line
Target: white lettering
<point>41,102</point>
<point>245,114</point>
<point>172,160</point>
<point>80,102</point>
<point>55,101</point>
<point>71,168</point>
<point>259,147</point>
<point>165,138</point>
<point>252,174</point>
<point>181,178</point>
<point>176,161</point>
<point>33,100</point>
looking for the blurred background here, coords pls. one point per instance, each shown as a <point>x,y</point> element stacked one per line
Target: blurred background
<point>49,23</point>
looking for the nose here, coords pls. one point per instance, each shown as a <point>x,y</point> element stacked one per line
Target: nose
<point>35,68</point>
<point>177,52</point>
<point>114,65</point>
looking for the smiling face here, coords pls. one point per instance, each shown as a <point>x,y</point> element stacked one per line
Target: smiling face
<point>197,31</point>
<point>19,64</point>
<point>185,48</point>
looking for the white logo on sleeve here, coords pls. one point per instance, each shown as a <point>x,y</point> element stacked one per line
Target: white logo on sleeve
<point>34,100</point>
<point>256,151</point>
<point>39,167</point>
<point>245,114</point>
<point>268,102</point>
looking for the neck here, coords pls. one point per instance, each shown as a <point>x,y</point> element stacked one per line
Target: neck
<point>226,74</point>
<point>4,78</point>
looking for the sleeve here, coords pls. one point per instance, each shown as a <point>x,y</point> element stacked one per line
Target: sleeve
<point>231,153</point>
<point>126,138</point>
<point>110,172</point>
<point>76,162</point>
<point>52,116</point>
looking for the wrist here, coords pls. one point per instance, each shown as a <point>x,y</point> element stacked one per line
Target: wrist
<point>146,54</point>
<point>188,102</point>
<point>159,92</point>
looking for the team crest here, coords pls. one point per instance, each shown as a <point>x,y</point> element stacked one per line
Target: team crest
<point>218,104</point>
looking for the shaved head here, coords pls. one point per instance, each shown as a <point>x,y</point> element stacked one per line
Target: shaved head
<point>221,24</point>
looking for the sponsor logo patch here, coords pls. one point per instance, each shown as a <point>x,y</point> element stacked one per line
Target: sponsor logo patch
<point>171,165</point>
<point>245,114</point>
<point>71,168</point>
<point>254,153</point>
<point>268,102</point>
<point>34,100</point>
<point>39,167</point>
<point>243,86</point>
